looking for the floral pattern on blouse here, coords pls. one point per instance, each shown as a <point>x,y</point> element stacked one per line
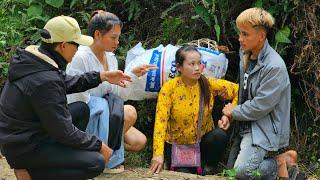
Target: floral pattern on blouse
<point>178,108</point>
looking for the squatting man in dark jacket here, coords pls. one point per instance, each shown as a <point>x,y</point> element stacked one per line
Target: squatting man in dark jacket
<point>41,136</point>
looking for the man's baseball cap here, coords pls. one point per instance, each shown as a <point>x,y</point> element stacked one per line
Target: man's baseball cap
<point>65,29</point>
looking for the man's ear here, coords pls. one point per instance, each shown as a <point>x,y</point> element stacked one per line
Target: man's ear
<point>61,47</point>
<point>262,35</point>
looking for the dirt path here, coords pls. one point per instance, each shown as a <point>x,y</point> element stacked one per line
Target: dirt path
<point>134,173</point>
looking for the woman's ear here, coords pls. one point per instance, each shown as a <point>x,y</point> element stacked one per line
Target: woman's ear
<point>178,66</point>
<point>97,34</point>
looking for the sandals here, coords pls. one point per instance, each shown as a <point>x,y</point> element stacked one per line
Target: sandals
<point>282,178</point>
<point>116,170</point>
<point>293,172</point>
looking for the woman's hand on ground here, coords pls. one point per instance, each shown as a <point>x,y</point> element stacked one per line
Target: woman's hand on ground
<point>106,152</point>
<point>115,77</point>
<point>224,123</point>
<point>141,70</point>
<point>227,110</point>
<point>156,164</point>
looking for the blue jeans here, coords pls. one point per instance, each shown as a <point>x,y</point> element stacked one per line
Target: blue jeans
<point>99,125</point>
<point>251,163</point>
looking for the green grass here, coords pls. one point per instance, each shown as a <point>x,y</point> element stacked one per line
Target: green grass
<point>139,159</point>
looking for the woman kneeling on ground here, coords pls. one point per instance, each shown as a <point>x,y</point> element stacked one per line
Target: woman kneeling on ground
<point>178,109</point>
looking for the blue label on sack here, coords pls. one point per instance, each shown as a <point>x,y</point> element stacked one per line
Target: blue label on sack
<point>153,77</point>
<point>209,50</point>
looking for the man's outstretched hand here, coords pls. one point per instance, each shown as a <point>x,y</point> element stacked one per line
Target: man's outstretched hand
<point>106,152</point>
<point>115,77</point>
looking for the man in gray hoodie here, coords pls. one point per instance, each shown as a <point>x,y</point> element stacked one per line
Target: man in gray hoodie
<point>262,116</point>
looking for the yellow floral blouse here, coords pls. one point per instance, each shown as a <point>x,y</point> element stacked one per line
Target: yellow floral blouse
<point>178,105</point>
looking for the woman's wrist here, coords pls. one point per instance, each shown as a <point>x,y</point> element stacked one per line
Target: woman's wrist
<point>229,117</point>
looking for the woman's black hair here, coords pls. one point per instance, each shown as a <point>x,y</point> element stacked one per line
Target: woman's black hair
<point>204,82</point>
<point>102,21</point>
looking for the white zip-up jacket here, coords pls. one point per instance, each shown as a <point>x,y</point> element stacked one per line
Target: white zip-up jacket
<point>86,61</point>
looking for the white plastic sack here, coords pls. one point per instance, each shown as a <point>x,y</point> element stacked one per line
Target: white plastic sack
<point>148,86</point>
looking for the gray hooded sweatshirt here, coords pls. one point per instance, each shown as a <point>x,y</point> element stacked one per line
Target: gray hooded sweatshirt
<point>268,104</point>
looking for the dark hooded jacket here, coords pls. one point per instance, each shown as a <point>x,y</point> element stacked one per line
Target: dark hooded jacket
<point>33,104</point>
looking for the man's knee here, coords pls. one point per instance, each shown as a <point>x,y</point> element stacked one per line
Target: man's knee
<point>80,114</point>
<point>244,171</point>
<point>98,164</point>
<point>268,169</point>
<point>83,109</point>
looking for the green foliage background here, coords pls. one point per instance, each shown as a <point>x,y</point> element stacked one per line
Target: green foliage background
<point>155,22</point>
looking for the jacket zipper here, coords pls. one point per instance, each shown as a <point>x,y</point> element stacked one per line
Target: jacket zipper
<point>273,124</point>
<point>275,129</point>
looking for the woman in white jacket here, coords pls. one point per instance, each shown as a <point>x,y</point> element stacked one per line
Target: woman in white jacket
<point>105,28</point>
